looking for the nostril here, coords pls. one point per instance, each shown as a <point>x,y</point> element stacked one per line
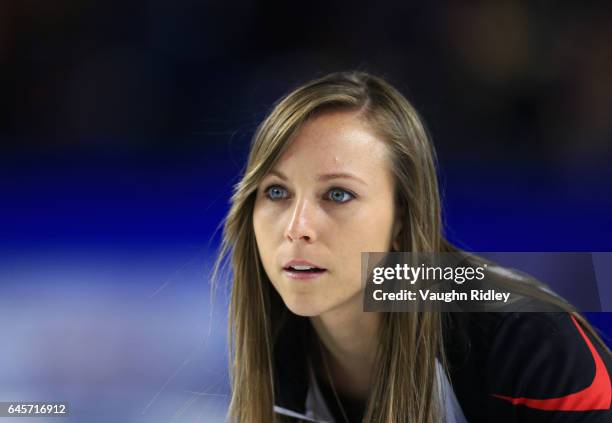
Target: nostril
<point>293,238</point>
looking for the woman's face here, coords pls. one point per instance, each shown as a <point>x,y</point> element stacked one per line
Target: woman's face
<point>329,197</point>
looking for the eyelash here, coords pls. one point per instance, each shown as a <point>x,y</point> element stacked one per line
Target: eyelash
<point>353,196</point>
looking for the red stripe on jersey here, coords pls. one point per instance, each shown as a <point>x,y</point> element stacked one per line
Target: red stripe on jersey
<point>596,396</point>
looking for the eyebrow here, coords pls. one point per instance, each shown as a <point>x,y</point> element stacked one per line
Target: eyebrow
<point>324,177</point>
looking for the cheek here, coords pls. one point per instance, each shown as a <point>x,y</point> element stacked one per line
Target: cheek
<point>369,231</point>
<point>265,219</point>
<point>261,216</point>
<point>260,228</point>
<point>265,228</point>
<point>352,272</point>
<point>374,237</point>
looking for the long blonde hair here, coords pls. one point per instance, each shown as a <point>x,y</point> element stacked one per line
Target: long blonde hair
<point>408,341</point>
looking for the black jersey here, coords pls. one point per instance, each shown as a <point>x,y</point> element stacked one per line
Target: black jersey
<point>503,367</point>
<point>527,367</point>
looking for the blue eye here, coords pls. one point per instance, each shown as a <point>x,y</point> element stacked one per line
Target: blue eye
<point>275,192</point>
<point>337,195</point>
<point>340,195</point>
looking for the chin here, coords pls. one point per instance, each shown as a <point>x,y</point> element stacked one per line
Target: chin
<point>303,307</point>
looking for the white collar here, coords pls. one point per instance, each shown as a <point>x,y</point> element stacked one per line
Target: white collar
<point>317,411</point>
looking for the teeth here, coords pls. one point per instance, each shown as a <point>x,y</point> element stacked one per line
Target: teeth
<point>302,267</point>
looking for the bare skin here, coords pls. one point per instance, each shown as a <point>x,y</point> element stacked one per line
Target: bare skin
<point>328,221</point>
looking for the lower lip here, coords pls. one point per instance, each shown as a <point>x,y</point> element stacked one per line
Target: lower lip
<point>303,275</point>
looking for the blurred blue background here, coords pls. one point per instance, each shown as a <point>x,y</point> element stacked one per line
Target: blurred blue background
<point>124,126</point>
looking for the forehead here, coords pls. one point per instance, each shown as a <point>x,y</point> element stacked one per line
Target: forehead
<point>334,141</point>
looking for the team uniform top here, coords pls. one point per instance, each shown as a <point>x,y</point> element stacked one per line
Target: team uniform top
<point>503,367</point>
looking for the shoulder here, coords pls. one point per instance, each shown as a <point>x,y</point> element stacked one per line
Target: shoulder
<point>528,366</point>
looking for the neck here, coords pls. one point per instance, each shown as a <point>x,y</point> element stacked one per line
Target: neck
<point>349,340</point>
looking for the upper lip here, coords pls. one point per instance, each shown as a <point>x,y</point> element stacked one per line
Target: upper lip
<point>300,262</point>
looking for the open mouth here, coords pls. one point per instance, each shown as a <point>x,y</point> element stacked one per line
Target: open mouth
<point>304,269</point>
<point>303,272</point>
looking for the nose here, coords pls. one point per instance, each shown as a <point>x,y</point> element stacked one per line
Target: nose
<point>301,222</point>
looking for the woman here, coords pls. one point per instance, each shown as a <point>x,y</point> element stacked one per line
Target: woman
<point>343,165</point>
